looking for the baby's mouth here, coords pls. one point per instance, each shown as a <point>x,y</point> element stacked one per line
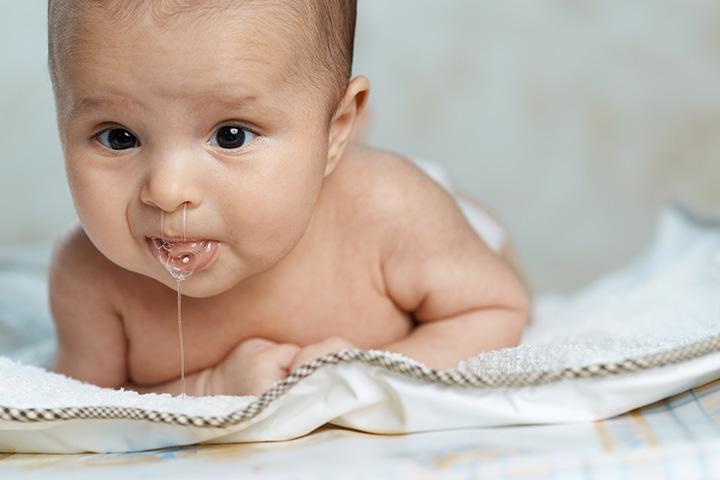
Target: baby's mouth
<point>181,258</point>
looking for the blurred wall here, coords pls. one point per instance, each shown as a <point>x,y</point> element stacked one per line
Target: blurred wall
<point>574,121</point>
<point>34,198</point>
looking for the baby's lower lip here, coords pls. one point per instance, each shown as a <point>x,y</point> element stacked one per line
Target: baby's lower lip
<point>197,260</point>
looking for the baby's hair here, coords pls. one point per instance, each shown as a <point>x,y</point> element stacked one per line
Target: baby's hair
<point>330,25</point>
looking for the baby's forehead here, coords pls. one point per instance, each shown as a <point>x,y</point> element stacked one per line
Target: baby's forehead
<point>282,32</point>
<point>278,18</point>
<point>265,26</point>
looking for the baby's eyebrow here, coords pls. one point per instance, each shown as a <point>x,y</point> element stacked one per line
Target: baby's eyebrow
<point>202,102</point>
<point>88,104</point>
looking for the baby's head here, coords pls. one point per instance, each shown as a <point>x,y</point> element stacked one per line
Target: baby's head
<point>232,112</point>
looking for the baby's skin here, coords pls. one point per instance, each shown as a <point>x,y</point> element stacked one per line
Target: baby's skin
<point>317,243</point>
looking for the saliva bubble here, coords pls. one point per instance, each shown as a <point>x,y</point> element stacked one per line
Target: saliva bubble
<point>179,258</point>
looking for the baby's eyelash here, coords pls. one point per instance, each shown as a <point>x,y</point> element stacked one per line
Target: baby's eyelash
<point>228,136</point>
<point>231,136</point>
<point>99,134</point>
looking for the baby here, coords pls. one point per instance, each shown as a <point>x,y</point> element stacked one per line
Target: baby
<point>237,117</point>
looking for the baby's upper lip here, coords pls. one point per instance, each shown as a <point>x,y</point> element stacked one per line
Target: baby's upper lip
<point>169,238</point>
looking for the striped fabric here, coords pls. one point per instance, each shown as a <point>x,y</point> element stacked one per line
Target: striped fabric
<point>676,438</point>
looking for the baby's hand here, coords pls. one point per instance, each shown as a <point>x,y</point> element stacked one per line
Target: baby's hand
<point>315,350</point>
<point>253,366</point>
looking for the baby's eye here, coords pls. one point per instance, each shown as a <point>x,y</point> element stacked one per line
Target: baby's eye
<point>231,136</point>
<point>117,139</point>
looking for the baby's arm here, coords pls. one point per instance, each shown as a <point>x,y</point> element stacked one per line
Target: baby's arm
<point>91,337</point>
<point>249,369</point>
<point>464,298</point>
<point>92,346</point>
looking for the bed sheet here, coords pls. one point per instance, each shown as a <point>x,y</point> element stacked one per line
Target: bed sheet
<point>676,438</point>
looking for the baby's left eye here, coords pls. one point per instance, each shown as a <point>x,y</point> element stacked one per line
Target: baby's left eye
<point>231,136</point>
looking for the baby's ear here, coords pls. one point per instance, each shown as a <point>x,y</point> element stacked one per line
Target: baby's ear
<point>347,114</point>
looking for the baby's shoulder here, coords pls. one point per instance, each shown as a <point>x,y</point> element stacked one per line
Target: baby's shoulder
<point>76,263</point>
<point>376,185</point>
<point>368,166</point>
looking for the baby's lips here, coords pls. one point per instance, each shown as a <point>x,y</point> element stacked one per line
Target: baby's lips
<point>178,249</point>
<point>180,258</point>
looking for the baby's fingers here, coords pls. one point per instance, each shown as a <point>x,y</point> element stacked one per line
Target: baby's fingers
<point>269,366</point>
<point>283,355</point>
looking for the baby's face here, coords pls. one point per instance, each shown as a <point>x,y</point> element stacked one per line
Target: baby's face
<point>203,115</point>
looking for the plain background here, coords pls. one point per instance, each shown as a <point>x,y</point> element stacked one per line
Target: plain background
<point>574,121</point>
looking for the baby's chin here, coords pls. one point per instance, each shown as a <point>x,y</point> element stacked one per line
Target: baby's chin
<point>194,287</point>
<point>203,283</point>
<point>198,289</point>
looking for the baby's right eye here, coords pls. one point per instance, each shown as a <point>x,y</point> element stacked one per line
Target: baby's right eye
<point>117,139</point>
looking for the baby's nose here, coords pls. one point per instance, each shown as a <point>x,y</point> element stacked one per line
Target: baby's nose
<point>168,186</point>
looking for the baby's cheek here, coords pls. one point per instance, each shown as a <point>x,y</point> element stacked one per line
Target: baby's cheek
<point>102,214</point>
<point>270,220</point>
